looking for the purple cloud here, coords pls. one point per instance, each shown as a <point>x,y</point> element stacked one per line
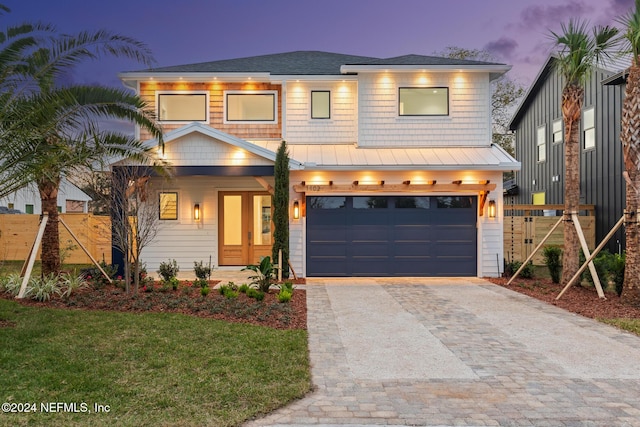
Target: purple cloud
<point>547,16</point>
<point>504,47</point>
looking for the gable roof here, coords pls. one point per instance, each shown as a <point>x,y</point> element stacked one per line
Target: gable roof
<point>314,63</point>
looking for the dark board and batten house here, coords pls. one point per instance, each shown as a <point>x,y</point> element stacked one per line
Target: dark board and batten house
<point>539,131</point>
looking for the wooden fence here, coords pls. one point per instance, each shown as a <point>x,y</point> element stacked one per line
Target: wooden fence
<point>526,225</point>
<point>18,232</point>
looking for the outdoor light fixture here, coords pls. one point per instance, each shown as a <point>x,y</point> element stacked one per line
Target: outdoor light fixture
<point>296,210</point>
<point>492,208</point>
<point>196,211</point>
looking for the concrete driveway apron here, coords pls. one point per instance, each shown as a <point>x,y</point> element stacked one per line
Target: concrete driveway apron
<point>441,352</point>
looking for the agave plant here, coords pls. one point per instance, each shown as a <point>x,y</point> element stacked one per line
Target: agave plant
<point>265,273</point>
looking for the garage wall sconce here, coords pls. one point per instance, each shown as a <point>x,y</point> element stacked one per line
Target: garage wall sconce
<point>196,211</point>
<point>296,209</point>
<point>492,208</point>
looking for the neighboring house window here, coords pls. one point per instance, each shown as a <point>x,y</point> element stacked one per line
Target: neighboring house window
<point>538,198</point>
<point>589,126</point>
<point>320,104</point>
<point>75,206</point>
<point>168,205</point>
<point>183,106</point>
<point>243,106</point>
<point>10,206</point>
<point>423,101</point>
<point>557,131</point>
<point>28,209</point>
<point>541,143</point>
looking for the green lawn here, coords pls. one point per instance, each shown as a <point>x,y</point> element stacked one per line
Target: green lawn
<point>149,369</point>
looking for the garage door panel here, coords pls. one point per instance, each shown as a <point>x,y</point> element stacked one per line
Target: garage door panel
<point>390,236</point>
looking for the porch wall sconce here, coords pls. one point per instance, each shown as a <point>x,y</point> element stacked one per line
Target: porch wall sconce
<point>492,208</point>
<point>296,210</point>
<point>196,211</point>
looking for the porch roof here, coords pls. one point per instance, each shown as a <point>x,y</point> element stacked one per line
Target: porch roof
<point>352,157</point>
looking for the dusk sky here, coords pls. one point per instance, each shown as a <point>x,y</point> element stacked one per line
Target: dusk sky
<point>190,31</point>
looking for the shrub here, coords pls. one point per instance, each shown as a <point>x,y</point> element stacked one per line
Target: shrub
<point>526,273</point>
<point>553,260</point>
<point>255,293</point>
<point>200,283</point>
<point>204,291</point>
<point>94,276</point>
<point>42,289</point>
<point>604,267</point>
<point>72,284</point>
<point>244,288</point>
<point>284,295</point>
<point>288,286</point>
<point>173,282</point>
<point>11,284</point>
<point>617,272</point>
<point>168,269</point>
<point>203,272</point>
<point>228,290</point>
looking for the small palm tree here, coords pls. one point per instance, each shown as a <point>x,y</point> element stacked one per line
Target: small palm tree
<point>49,132</point>
<point>579,50</point>
<point>630,138</point>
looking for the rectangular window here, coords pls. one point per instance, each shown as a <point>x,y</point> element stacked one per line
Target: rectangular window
<point>168,205</point>
<point>589,126</point>
<point>320,104</point>
<point>541,143</point>
<point>28,209</point>
<point>183,107</point>
<point>10,205</point>
<point>423,101</point>
<point>538,198</point>
<point>557,131</point>
<point>370,202</point>
<point>251,107</point>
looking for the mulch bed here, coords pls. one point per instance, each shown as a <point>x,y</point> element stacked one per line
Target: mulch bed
<point>578,299</point>
<point>187,300</point>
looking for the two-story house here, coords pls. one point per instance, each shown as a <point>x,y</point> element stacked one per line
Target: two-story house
<point>539,130</point>
<point>392,168</point>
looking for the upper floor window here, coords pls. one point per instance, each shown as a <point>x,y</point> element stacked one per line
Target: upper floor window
<point>423,101</point>
<point>250,106</point>
<point>557,131</point>
<point>320,104</point>
<point>541,143</point>
<point>589,127</point>
<point>183,106</point>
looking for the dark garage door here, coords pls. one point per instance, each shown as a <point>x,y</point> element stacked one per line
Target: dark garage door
<point>391,236</point>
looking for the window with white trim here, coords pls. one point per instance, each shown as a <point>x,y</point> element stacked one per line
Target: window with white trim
<point>183,106</point>
<point>557,131</point>
<point>589,128</point>
<point>423,101</point>
<point>320,104</point>
<point>541,143</point>
<point>250,106</point>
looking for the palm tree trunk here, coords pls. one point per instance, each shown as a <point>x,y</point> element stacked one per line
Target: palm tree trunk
<point>630,138</point>
<point>572,98</point>
<point>48,190</point>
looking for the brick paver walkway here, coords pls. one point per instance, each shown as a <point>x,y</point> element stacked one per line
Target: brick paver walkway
<point>465,353</point>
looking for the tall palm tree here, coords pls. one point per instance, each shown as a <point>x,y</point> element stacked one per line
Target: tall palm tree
<point>49,132</point>
<point>630,138</point>
<point>579,50</point>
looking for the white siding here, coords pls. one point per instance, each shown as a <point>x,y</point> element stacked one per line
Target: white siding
<point>341,128</point>
<point>185,239</point>
<point>196,149</point>
<point>468,122</point>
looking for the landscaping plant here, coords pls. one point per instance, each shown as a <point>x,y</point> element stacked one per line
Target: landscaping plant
<point>553,260</point>
<point>265,273</point>
<point>168,269</point>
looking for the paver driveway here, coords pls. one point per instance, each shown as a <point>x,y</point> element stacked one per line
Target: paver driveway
<point>459,352</point>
